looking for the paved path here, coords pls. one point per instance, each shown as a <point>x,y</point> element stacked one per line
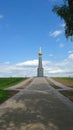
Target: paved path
<point>38,107</point>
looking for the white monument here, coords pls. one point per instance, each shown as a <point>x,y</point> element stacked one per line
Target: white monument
<point>40,68</point>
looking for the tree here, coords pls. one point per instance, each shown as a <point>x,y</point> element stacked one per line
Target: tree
<point>65,12</point>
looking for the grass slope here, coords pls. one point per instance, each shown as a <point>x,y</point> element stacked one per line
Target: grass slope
<point>5,83</point>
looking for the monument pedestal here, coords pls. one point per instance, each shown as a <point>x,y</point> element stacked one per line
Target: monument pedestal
<point>40,72</point>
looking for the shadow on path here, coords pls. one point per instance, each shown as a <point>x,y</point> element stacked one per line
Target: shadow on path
<point>35,112</point>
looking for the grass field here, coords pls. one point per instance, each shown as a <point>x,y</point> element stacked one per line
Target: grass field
<point>5,83</point>
<point>68,82</point>
<point>65,80</point>
<point>4,95</point>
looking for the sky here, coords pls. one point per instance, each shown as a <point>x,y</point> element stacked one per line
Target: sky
<point>27,25</point>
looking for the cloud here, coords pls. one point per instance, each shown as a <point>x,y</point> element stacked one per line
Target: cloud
<point>7,62</point>
<point>29,68</point>
<point>31,63</point>
<point>28,63</point>
<point>54,70</point>
<point>26,68</point>
<point>55,33</point>
<point>71,51</point>
<point>1,16</point>
<point>61,45</point>
<point>57,40</point>
<point>50,55</point>
<point>70,56</point>
<point>62,25</point>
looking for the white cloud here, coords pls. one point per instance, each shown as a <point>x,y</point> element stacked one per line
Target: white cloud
<point>50,55</point>
<point>7,62</point>
<point>61,45</point>
<point>57,40</point>
<point>70,56</point>
<point>55,33</point>
<point>1,16</point>
<point>29,68</point>
<point>28,63</point>
<point>54,70</point>
<point>31,63</point>
<point>71,51</point>
<point>62,25</point>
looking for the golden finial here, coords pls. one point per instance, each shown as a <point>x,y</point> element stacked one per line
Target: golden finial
<point>40,52</point>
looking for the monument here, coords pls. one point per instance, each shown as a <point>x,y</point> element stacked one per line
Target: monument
<point>40,68</point>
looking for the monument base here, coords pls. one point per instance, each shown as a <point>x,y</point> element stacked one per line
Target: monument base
<point>40,72</point>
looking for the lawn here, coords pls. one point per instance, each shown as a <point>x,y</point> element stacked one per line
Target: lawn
<point>4,95</point>
<point>5,83</point>
<point>65,80</point>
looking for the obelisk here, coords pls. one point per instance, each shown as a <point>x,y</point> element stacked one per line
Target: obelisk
<point>40,68</point>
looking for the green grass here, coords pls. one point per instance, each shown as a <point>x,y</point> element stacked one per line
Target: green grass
<point>7,82</point>
<point>3,95</point>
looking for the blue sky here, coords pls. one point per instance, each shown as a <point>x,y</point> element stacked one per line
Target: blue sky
<point>27,25</point>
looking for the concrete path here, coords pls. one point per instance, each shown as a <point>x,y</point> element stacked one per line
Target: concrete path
<point>39,107</point>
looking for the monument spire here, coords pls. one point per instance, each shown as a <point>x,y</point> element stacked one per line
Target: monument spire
<point>40,49</point>
<point>40,68</point>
